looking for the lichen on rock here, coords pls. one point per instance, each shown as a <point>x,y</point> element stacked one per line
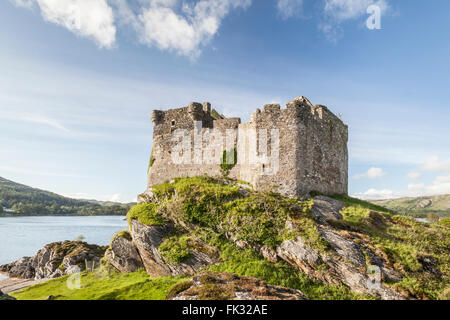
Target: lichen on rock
<point>209,285</point>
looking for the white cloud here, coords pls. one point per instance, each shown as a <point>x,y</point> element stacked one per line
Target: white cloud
<point>414,175</point>
<point>185,32</point>
<point>289,8</point>
<point>433,163</point>
<point>23,3</point>
<point>342,10</point>
<point>372,173</point>
<point>374,194</point>
<point>93,19</point>
<point>440,185</point>
<point>338,11</point>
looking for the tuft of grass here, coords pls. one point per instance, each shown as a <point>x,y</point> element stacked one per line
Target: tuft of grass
<point>103,286</point>
<point>176,249</point>
<point>146,213</point>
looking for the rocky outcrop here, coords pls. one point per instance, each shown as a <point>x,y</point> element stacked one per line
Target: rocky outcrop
<point>226,286</point>
<point>122,254</point>
<point>22,268</point>
<point>325,208</point>
<point>348,260</point>
<point>143,248</point>
<point>55,260</point>
<point>345,256</point>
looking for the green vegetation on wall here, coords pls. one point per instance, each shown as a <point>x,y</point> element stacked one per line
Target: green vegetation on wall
<point>229,160</point>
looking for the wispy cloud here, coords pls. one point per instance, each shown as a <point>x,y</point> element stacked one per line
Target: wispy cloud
<point>372,173</point>
<point>440,184</point>
<point>342,10</point>
<point>37,172</point>
<point>23,3</point>
<point>414,175</point>
<point>338,11</point>
<point>289,8</point>
<point>434,164</point>
<point>33,118</point>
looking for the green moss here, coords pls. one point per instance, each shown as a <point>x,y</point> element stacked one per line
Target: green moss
<point>212,291</point>
<point>258,218</point>
<point>216,115</point>
<point>146,213</point>
<point>178,288</point>
<point>151,161</point>
<point>123,234</point>
<point>176,249</point>
<point>103,286</point>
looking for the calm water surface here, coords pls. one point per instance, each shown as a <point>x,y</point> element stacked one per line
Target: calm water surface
<point>24,236</point>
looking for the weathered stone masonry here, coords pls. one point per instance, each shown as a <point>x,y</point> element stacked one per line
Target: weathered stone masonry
<point>313,152</point>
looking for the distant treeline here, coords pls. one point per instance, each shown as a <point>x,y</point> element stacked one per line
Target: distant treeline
<point>24,200</point>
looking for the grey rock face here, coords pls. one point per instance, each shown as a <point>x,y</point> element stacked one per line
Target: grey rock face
<point>123,255</point>
<point>55,260</point>
<point>147,240</point>
<point>21,268</point>
<point>226,286</point>
<point>326,208</point>
<point>344,263</point>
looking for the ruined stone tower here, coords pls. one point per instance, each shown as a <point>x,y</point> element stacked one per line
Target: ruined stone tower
<point>311,147</point>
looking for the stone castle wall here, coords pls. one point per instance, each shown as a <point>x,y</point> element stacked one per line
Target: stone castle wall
<point>312,149</point>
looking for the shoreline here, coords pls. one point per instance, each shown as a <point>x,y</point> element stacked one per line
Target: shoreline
<point>10,285</point>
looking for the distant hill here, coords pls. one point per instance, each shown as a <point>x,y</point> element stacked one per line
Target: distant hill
<point>418,207</point>
<point>24,200</point>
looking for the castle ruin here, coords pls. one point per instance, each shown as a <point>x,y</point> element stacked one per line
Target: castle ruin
<point>311,150</point>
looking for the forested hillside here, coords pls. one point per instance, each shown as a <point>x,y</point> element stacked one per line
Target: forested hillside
<point>24,200</point>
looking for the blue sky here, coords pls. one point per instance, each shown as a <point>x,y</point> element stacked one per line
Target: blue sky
<point>79,80</point>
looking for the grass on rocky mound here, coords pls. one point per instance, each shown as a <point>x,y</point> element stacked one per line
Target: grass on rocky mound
<point>245,262</point>
<point>406,242</point>
<point>100,285</point>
